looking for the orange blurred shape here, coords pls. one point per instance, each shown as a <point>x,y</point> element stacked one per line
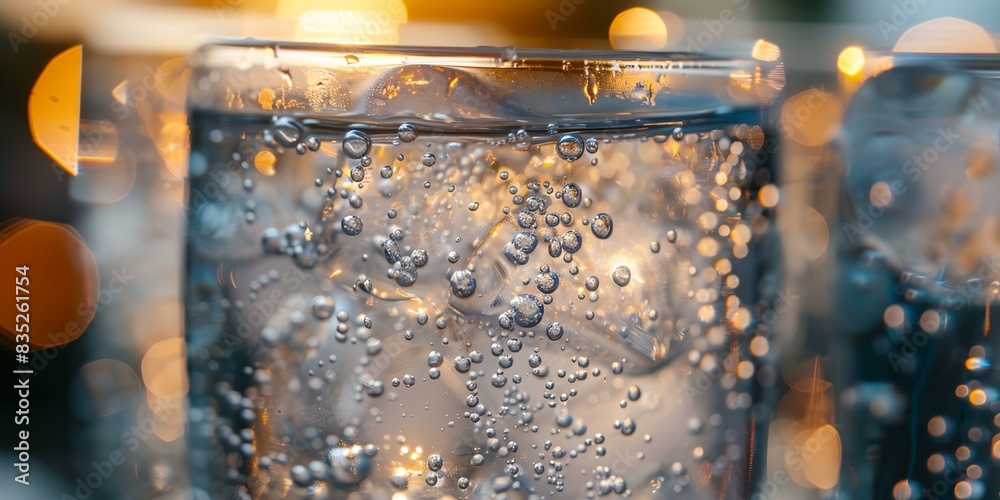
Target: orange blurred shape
<point>851,60</point>
<point>812,458</point>
<point>812,117</point>
<point>62,282</point>
<point>764,50</point>
<point>54,108</point>
<point>946,35</point>
<point>638,28</point>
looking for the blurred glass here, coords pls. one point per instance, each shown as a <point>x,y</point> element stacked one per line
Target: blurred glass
<point>918,243</point>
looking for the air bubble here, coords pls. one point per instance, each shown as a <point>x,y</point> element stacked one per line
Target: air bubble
<point>527,309</point>
<point>351,225</point>
<point>547,282</point>
<point>322,307</point>
<point>622,275</point>
<point>602,226</point>
<point>572,195</point>
<point>571,241</point>
<point>407,132</point>
<point>570,147</point>
<point>357,173</point>
<point>554,331</point>
<point>286,131</point>
<point>356,144</point>
<point>463,284</point>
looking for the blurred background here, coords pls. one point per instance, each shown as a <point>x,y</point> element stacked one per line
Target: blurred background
<point>107,393</point>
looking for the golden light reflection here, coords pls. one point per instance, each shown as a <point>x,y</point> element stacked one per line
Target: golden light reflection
<point>946,35</point>
<point>851,60</point>
<point>374,22</point>
<point>638,28</point>
<point>812,117</point>
<point>164,370</point>
<point>172,143</point>
<point>764,50</point>
<point>54,108</point>
<point>769,196</point>
<point>823,467</point>
<point>264,162</point>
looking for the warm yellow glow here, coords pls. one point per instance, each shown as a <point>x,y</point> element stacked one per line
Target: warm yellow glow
<point>764,50</point>
<point>54,108</point>
<point>638,28</point>
<point>759,346</point>
<point>264,161</point>
<point>823,466</point>
<point>373,22</point>
<point>811,117</point>
<point>902,490</point>
<point>172,143</point>
<point>977,397</point>
<point>963,489</point>
<point>851,60</point>
<point>163,369</point>
<point>946,35</point>
<point>769,196</point>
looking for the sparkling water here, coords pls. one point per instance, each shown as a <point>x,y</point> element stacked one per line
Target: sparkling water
<point>538,311</point>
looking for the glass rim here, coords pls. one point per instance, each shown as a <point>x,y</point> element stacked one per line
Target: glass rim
<point>571,88</point>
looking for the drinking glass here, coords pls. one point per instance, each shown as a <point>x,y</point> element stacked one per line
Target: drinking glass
<point>917,274</point>
<point>427,273</point>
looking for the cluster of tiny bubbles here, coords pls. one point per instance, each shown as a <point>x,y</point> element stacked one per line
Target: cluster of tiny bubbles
<point>495,387</point>
<point>570,147</point>
<point>356,144</point>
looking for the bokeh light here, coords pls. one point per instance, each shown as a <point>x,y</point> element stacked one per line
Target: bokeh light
<point>851,60</point>
<point>638,28</point>
<point>63,280</point>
